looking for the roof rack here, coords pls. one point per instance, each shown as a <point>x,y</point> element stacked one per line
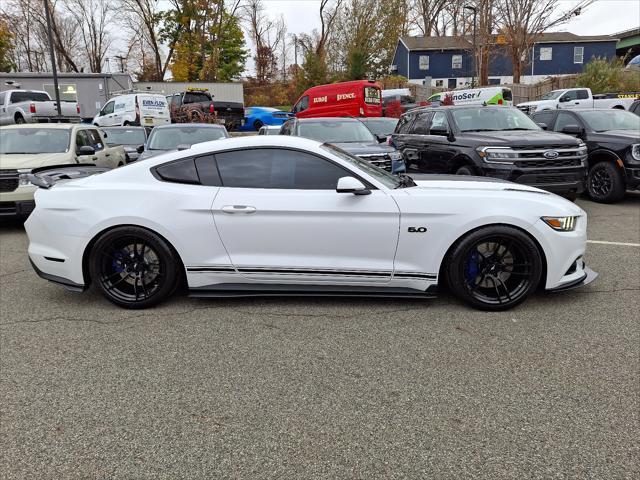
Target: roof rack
<point>133,90</point>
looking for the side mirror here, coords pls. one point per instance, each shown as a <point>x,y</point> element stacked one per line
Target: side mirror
<point>542,125</point>
<point>564,99</point>
<point>352,185</point>
<point>439,130</point>
<point>140,148</point>
<point>572,130</point>
<point>183,146</point>
<point>87,150</point>
<point>381,138</point>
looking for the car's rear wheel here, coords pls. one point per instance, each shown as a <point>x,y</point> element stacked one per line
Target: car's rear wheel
<point>133,267</point>
<point>494,268</point>
<point>605,183</point>
<point>19,120</point>
<point>257,125</point>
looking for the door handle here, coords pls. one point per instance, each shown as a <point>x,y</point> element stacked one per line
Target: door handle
<point>238,209</point>
<point>107,154</point>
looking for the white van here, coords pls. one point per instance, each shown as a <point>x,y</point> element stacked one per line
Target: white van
<point>477,96</point>
<point>145,109</point>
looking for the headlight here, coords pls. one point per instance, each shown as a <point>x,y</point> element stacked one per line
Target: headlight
<point>23,179</point>
<point>561,224</point>
<point>635,151</point>
<point>503,155</point>
<point>582,148</point>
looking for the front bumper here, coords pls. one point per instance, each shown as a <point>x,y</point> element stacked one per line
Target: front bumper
<point>557,180</point>
<point>632,178</point>
<point>588,277</point>
<point>20,209</point>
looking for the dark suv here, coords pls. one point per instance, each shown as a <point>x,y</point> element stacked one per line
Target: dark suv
<point>613,141</point>
<point>492,141</point>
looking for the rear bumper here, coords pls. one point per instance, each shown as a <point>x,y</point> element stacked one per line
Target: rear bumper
<point>65,282</point>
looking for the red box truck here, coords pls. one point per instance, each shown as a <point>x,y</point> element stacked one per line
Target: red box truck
<point>358,98</point>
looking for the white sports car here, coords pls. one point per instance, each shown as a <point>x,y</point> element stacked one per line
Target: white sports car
<point>280,215</point>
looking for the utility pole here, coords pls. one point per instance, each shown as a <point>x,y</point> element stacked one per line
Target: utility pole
<point>295,50</point>
<point>54,69</point>
<point>475,45</point>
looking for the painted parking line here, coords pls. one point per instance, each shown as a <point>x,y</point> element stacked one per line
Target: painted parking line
<point>602,242</point>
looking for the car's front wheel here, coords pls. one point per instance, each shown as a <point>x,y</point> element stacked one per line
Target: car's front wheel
<point>133,267</point>
<point>605,183</point>
<point>494,268</point>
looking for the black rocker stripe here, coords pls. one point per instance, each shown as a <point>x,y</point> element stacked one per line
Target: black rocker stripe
<point>426,276</point>
<point>211,269</point>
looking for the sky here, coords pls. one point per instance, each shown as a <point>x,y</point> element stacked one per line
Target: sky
<point>604,17</point>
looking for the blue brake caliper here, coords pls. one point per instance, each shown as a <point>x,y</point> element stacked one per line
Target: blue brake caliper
<point>473,268</point>
<point>117,263</point>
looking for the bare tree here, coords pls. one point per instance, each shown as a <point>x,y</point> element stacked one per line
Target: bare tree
<point>428,14</point>
<point>144,22</point>
<point>523,21</point>
<point>267,34</point>
<point>93,19</point>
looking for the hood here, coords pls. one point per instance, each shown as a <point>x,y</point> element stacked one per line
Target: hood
<point>535,102</point>
<point>33,160</point>
<point>153,153</point>
<point>616,136</point>
<point>365,148</point>
<point>520,138</point>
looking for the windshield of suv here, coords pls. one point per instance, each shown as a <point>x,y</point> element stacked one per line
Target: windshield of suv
<point>551,95</point>
<point>32,140</point>
<point>384,177</point>
<point>381,126</point>
<point>336,131</point>
<point>483,119</point>
<point>125,136</point>
<point>171,138</point>
<point>601,121</point>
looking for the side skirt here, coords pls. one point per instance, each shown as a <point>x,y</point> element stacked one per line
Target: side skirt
<point>226,290</point>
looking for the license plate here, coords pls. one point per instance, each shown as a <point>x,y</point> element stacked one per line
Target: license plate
<point>148,121</point>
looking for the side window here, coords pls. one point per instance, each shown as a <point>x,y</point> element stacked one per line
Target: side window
<point>181,171</point>
<point>404,123</point>
<point>302,105</point>
<point>82,139</point>
<point>278,169</point>
<point>421,125</point>
<point>544,117</point>
<point>570,95</point>
<point>95,139</point>
<point>440,121</point>
<point>583,94</point>
<point>565,119</point>
<point>208,171</point>
<point>2,97</point>
<point>107,109</point>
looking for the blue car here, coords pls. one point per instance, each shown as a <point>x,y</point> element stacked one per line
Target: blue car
<point>256,117</point>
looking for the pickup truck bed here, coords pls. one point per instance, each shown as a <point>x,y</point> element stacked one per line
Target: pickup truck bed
<point>33,106</point>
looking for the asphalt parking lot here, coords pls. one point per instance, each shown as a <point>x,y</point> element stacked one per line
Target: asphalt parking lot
<point>325,388</point>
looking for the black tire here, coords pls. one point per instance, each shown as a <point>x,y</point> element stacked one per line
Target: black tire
<point>605,183</point>
<point>134,268</point>
<point>465,170</point>
<point>494,268</point>
<point>257,125</point>
<point>20,120</point>
<point>126,124</point>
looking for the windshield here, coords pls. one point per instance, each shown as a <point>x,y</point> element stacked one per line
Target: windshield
<point>384,177</point>
<point>551,95</point>
<point>331,131</point>
<point>483,119</point>
<point>171,138</point>
<point>603,120</point>
<point>382,126</point>
<point>125,136</point>
<point>32,140</point>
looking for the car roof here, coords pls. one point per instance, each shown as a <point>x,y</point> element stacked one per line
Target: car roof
<point>123,127</point>
<point>187,125</point>
<point>326,119</point>
<point>57,126</point>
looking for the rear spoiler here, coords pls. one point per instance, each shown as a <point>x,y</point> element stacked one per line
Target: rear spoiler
<point>47,177</point>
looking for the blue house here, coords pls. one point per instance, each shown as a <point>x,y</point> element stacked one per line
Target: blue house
<point>448,61</point>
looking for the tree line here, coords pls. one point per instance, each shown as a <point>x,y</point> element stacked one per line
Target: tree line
<point>216,40</point>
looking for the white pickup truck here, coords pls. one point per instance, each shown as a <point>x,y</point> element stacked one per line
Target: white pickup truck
<point>578,98</point>
<point>34,106</point>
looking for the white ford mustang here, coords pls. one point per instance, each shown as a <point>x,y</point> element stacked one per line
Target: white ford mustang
<point>279,215</point>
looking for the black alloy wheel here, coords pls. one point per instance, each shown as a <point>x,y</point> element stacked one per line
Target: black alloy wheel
<point>465,170</point>
<point>494,268</point>
<point>134,268</point>
<point>605,183</point>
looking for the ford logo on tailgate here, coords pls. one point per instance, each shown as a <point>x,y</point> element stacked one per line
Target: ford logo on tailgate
<point>550,154</point>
